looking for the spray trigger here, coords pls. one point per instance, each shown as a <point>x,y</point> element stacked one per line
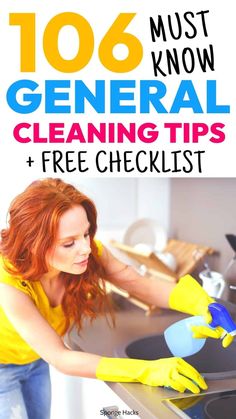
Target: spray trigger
<point>221,317</point>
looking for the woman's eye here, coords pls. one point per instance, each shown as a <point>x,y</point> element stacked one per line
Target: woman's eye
<point>68,244</point>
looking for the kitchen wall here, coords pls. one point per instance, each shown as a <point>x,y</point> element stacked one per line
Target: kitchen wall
<point>121,201</point>
<point>203,211</point>
<point>195,210</point>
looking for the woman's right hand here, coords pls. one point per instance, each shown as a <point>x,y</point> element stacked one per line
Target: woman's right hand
<point>168,372</point>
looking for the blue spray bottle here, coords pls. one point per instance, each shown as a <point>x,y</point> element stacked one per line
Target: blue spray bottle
<point>179,336</point>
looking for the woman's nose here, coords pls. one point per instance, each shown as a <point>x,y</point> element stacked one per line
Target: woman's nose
<point>84,248</point>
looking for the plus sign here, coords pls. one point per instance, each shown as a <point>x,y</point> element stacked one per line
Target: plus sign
<point>29,161</point>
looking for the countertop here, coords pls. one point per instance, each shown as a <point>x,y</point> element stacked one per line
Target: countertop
<point>131,324</point>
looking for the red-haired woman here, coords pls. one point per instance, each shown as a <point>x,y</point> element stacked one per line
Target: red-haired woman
<point>50,279</point>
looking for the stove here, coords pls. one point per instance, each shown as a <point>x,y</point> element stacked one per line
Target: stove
<point>218,405</point>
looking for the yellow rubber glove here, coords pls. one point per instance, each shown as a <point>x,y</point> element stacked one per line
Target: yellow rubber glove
<point>200,332</point>
<point>189,297</point>
<point>168,372</point>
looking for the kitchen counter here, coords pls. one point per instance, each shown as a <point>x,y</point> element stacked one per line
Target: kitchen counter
<point>132,324</point>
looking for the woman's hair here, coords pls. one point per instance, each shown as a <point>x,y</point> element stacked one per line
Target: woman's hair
<point>34,216</point>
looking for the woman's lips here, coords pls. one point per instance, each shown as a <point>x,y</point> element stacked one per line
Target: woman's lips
<point>83,262</point>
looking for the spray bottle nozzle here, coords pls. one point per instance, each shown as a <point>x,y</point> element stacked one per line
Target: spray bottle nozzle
<point>221,317</point>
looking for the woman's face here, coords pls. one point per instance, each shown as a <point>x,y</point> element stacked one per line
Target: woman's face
<point>72,248</point>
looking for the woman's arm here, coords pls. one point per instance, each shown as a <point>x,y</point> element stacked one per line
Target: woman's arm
<point>42,338</point>
<point>187,296</point>
<point>34,329</point>
<point>149,290</point>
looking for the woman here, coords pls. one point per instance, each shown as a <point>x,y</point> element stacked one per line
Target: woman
<point>50,274</point>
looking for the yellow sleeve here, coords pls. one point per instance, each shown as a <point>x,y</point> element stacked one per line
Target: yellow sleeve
<point>16,282</point>
<point>99,247</point>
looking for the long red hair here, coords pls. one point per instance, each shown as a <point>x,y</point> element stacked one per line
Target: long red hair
<point>33,224</point>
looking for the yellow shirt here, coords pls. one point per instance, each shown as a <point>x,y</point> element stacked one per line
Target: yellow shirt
<point>13,349</point>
